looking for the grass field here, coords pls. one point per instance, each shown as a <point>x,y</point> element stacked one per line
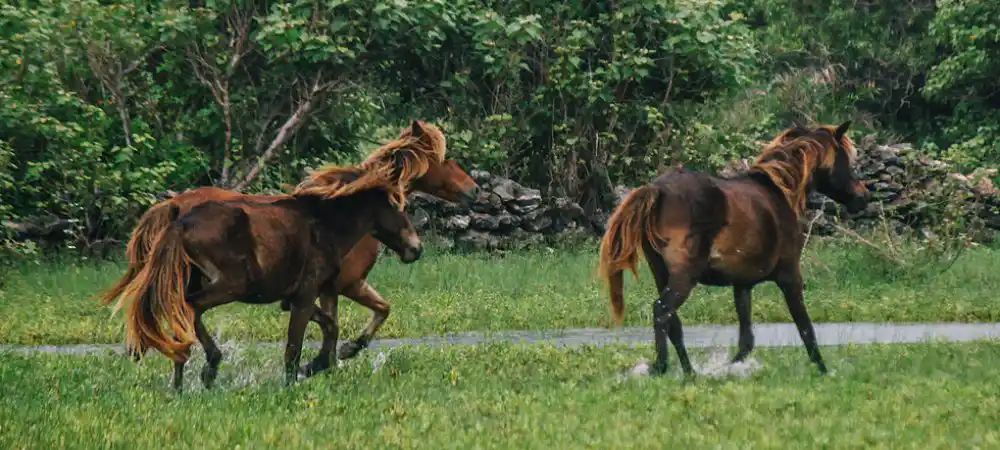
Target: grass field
<point>505,396</point>
<point>53,303</point>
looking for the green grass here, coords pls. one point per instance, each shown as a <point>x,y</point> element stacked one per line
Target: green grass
<point>504,396</point>
<point>53,303</point>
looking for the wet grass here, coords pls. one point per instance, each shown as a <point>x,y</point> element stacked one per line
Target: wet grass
<point>503,396</point>
<point>53,303</point>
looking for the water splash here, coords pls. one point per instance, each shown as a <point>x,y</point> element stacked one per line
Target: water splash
<point>715,365</point>
<point>379,361</point>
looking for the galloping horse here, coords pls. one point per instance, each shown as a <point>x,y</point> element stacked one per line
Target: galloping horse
<point>260,252</point>
<point>740,231</point>
<point>419,156</point>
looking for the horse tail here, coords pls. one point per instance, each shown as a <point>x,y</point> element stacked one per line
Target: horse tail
<point>152,222</point>
<point>157,297</point>
<point>633,221</point>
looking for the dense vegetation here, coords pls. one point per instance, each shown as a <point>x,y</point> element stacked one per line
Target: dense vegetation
<point>108,102</point>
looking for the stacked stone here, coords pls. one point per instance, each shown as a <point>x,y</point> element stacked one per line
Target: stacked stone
<point>903,183</point>
<point>506,215</point>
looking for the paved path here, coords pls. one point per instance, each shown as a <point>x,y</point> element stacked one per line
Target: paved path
<point>695,336</point>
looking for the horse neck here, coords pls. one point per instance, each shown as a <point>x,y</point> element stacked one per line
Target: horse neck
<point>346,219</point>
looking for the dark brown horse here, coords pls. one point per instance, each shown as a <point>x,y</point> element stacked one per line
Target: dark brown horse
<point>260,252</point>
<point>415,160</point>
<point>741,231</point>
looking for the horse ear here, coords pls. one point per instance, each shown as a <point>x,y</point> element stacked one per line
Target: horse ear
<point>415,129</point>
<point>839,133</point>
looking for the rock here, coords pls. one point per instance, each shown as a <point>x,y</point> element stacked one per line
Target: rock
<point>895,170</point>
<point>419,218</point>
<point>420,199</point>
<point>488,203</point>
<point>477,240</point>
<point>457,223</point>
<point>520,239</point>
<point>985,187</point>
<point>508,190</point>
<point>481,177</point>
<point>536,221</point>
<point>508,222</point>
<point>484,221</point>
<point>565,207</point>
<point>888,186</point>
<point>528,201</point>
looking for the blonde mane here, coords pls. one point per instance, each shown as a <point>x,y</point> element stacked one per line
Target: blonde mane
<point>790,162</point>
<point>393,166</point>
<point>343,181</point>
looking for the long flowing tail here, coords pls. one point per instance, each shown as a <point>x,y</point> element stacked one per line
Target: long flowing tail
<point>151,224</point>
<point>158,314</point>
<point>633,220</point>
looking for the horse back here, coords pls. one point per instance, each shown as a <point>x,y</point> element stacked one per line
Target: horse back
<point>736,229</point>
<point>270,245</point>
<point>187,200</point>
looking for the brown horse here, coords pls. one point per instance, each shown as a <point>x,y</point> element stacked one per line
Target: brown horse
<point>259,252</point>
<point>741,231</point>
<point>419,154</point>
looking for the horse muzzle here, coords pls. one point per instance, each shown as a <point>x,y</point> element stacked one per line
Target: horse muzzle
<point>858,204</point>
<point>411,254</point>
<point>469,197</point>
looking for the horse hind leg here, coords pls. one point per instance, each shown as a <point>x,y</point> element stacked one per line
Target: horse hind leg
<point>742,296</point>
<point>367,296</point>
<point>302,311</point>
<point>216,293</point>
<point>675,283</point>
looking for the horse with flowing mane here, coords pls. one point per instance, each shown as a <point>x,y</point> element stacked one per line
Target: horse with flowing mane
<point>741,231</point>
<point>415,160</point>
<point>259,252</point>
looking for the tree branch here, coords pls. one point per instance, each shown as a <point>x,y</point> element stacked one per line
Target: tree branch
<point>219,81</point>
<point>301,115</point>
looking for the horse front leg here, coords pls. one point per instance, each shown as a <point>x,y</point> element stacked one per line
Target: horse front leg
<point>365,295</point>
<point>301,311</point>
<point>790,283</point>
<point>326,316</point>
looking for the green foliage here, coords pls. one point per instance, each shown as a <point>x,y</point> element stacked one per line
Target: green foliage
<point>965,79</point>
<point>873,53</point>
<point>106,103</point>
<point>549,91</point>
<point>970,33</point>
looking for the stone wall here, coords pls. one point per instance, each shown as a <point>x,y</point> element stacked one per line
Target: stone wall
<point>508,215</point>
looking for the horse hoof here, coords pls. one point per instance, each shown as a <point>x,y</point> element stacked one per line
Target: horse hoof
<point>349,350</point>
<point>314,367</point>
<point>208,378</point>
